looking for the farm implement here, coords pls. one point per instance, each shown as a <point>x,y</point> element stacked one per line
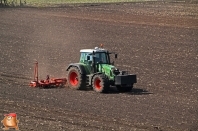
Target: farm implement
<point>48,82</point>
<point>95,70</point>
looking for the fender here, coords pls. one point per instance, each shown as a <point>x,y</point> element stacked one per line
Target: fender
<point>79,66</point>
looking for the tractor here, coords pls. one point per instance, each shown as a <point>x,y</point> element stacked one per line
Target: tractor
<point>95,70</point>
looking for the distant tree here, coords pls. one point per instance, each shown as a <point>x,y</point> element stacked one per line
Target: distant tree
<point>5,2</point>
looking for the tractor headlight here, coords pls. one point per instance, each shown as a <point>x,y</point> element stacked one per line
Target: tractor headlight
<point>115,71</point>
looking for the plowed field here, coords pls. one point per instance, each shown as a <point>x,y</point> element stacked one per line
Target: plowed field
<point>158,41</point>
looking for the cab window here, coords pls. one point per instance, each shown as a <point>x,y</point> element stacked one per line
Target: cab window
<point>101,58</point>
<point>83,57</point>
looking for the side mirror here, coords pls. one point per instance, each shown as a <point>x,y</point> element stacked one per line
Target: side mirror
<point>88,57</point>
<point>116,56</point>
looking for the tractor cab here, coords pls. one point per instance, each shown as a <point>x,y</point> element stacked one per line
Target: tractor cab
<point>96,59</point>
<point>94,56</point>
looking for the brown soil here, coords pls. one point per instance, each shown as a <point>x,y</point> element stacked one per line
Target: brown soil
<point>155,40</point>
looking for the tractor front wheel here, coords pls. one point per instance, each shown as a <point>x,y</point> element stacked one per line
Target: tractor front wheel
<point>100,83</point>
<point>75,79</point>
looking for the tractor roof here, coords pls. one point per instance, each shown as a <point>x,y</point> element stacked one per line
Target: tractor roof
<point>96,49</point>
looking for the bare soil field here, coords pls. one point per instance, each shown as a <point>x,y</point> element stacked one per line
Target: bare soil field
<point>158,41</point>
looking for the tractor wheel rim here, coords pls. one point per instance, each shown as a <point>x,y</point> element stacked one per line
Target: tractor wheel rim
<point>73,79</point>
<point>97,83</point>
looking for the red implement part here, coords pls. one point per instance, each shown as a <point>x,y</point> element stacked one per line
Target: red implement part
<point>53,82</point>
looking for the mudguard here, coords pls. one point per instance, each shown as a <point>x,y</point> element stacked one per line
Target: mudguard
<point>79,66</point>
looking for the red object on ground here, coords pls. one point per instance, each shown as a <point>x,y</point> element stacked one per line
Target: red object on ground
<point>11,114</point>
<point>53,82</point>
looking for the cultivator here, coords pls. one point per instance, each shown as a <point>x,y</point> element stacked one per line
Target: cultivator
<point>48,82</point>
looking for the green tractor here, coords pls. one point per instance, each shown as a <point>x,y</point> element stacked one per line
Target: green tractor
<point>96,70</point>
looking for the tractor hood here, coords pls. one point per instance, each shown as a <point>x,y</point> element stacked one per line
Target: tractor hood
<point>107,69</point>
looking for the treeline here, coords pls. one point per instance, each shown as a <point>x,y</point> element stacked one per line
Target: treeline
<point>4,2</point>
<point>12,2</point>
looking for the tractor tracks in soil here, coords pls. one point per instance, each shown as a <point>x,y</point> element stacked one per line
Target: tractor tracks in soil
<point>16,78</point>
<point>40,113</point>
<point>123,19</point>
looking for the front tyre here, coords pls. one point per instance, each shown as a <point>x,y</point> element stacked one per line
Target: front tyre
<point>100,83</point>
<point>75,79</point>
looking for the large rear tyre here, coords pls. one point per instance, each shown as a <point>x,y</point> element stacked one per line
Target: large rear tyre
<point>100,84</point>
<point>75,79</point>
<point>124,88</point>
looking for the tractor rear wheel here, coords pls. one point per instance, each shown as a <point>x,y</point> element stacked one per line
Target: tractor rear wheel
<point>75,79</point>
<point>124,88</point>
<point>100,83</point>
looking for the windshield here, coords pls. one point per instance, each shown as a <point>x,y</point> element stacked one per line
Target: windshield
<point>101,57</point>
